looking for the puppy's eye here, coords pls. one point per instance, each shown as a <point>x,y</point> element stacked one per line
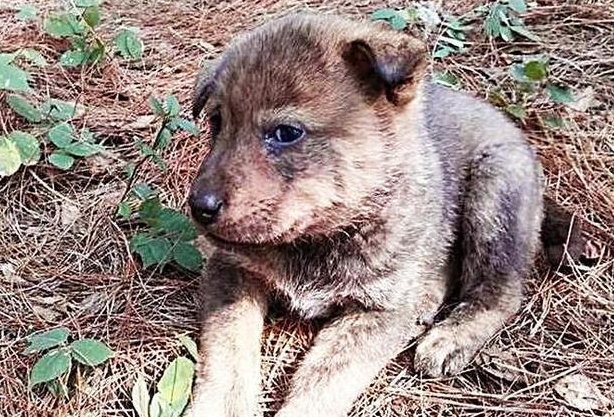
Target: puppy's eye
<point>285,135</point>
<point>215,123</point>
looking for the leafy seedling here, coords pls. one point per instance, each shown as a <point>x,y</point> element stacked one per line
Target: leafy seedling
<point>54,366</point>
<point>129,45</point>
<point>453,38</point>
<point>167,234</point>
<point>503,21</point>
<point>69,146</point>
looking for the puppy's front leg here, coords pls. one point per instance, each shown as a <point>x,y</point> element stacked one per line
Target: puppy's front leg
<point>346,357</point>
<point>228,370</point>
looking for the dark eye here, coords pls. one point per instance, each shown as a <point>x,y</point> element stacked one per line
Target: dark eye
<point>285,135</point>
<point>215,123</point>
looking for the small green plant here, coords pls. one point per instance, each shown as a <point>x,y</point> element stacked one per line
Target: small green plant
<point>71,145</point>
<point>503,21</point>
<point>54,116</point>
<point>398,19</point>
<point>78,24</point>
<point>453,38</point>
<point>167,233</point>
<point>54,368</point>
<point>173,388</point>
<point>531,79</point>
<point>128,44</point>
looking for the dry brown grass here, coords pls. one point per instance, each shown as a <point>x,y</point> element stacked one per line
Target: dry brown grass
<point>73,267</point>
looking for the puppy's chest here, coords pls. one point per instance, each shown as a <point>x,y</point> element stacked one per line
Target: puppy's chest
<point>316,281</point>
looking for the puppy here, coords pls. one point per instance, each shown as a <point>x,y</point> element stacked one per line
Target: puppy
<point>341,181</point>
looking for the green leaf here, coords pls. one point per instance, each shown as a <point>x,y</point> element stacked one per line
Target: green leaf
<point>61,25</point>
<point>129,169</point>
<point>50,366</point>
<point>554,122</point>
<point>517,111</point>
<point>383,14</point>
<point>522,31</point>
<point>61,110</point>
<point>46,340</point>
<point>144,192</point>
<point>87,3</point>
<point>24,108</point>
<point>140,397</point>
<point>536,70</point>
<point>445,79</point>
<point>492,24</point>
<point>74,58</point>
<point>156,106</point>
<point>124,210</point>
<point>61,160</point>
<point>129,44</point>
<point>164,139</point>
<point>13,78</point>
<point>7,58</point>
<point>61,135</point>
<point>559,95</point>
<point>172,105</point>
<point>506,34</point>
<point>28,145</point>
<point>442,52</point>
<point>83,149</point>
<point>90,352</point>
<point>91,15</point>
<point>517,73</point>
<point>10,158</point>
<point>176,383</point>
<point>96,54</point>
<point>189,344</point>
<point>397,22</point>
<point>152,251</point>
<point>183,124</point>
<point>175,224</point>
<point>187,256</point>
<point>455,43</point>
<point>26,12</point>
<point>159,407</point>
<point>33,56</point>
<point>518,6</point>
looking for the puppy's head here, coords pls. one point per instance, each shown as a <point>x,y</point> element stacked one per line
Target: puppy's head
<point>303,134</point>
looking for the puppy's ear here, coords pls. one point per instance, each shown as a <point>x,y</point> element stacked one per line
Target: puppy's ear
<point>205,84</point>
<point>388,62</point>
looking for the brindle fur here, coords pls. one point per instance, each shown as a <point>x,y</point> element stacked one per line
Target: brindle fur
<point>401,194</point>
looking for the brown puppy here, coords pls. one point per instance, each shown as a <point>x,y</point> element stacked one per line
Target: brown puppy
<point>343,182</point>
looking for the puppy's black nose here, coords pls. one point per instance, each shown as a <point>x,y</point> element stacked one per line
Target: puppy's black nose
<point>205,207</point>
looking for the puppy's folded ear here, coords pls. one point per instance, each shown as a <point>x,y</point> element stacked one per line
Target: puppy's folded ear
<point>205,84</point>
<point>388,62</point>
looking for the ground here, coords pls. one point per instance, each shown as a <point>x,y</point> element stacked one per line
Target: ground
<point>72,266</point>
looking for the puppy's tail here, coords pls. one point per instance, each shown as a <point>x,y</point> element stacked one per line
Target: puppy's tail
<point>561,234</point>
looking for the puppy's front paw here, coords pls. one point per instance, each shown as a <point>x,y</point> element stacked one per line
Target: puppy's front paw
<point>442,353</point>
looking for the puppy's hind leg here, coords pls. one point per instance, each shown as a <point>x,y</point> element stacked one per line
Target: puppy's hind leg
<point>502,211</point>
